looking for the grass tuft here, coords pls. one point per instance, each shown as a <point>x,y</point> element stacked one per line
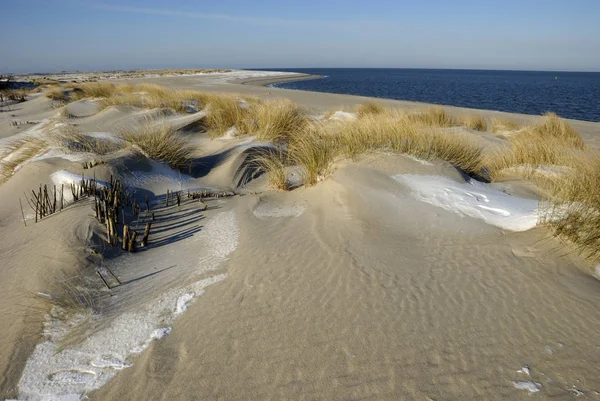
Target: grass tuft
<point>276,120</point>
<point>313,150</point>
<point>554,127</point>
<point>433,117</point>
<point>273,162</point>
<point>70,140</point>
<point>159,141</point>
<point>370,108</point>
<point>473,121</point>
<point>19,152</point>
<point>503,125</point>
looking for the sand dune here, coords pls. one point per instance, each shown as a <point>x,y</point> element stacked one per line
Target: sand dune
<point>393,278</point>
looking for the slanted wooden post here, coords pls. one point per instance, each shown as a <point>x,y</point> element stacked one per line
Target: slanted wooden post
<point>146,233</point>
<point>132,239</point>
<point>22,213</point>
<point>167,198</point>
<point>125,237</point>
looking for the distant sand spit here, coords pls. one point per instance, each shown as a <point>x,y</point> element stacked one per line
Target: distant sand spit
<point>393,277</point>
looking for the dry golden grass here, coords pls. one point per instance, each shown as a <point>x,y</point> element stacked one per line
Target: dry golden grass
<point>17,153</point>
<point>503,125</point>
<point>70,140</point>
<point>276,120</point>
<point>225,111</point>
<point>370,108</point>
<point>159,141</point>
<point>314,150</point>
<point>402,134</point>
<point>273,163</point>
<point>473,121</point>
<point>573,208</point>
<point>433,117</point>
<point>552,142</point>
<point>57,93</point>
<point>554,127</point>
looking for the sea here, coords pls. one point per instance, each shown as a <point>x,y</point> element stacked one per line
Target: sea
<point>574,95</point>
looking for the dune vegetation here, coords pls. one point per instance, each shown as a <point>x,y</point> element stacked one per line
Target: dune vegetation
<point>158,140</point>
<point>551,153</point>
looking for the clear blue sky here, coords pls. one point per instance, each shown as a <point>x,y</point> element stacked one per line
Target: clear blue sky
<point>52,35</point>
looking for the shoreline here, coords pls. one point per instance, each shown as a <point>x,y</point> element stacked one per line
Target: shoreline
<point>266,81</point>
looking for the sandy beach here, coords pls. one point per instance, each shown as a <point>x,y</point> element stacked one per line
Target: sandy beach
<point>393,277</point>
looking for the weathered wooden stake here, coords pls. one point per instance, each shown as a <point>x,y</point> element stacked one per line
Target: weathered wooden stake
<point>132,238</point>
<point>146,233</point>
<point>167,198</point>
<point>22,213</point>
<point>125,237</point>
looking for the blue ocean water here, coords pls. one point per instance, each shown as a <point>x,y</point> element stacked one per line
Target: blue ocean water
<point>573,95</point>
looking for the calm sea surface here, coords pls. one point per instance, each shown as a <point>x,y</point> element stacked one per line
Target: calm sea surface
<point>570,94</point>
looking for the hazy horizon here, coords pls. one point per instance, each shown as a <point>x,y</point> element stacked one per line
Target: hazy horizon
<point>67,35</point>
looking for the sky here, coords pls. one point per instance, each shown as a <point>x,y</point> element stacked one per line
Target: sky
<point>56,35</point>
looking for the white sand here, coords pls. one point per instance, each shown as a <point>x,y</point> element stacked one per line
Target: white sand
<point>474,199</point>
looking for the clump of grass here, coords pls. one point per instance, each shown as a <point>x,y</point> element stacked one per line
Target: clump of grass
<point>433,117</point>
<point>57,93</point>
<point>473,121</point>
<point>572,209</point>
<point>92,89</point>
<point>552,126</point>
<point>224,112</point>
<point>503,125</point>
<point>553,142</point>
<point>273,162</point>
<point>314,150</point>
<point>70,298</point>
<point>159,141</point>
<point>72,141</point>
<point>276,120</point>
<point>370,108</point>
<point>402,134</point>
<point>19,152</point>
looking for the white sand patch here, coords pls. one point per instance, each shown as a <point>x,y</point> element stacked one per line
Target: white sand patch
<point>474,199</point>
<point>55,153</point>
<point>343,116</point>
<point>530,386</point>
<point>545,170</point>
<point>52,373</point>
<point>231,133</point>
<point>109,136</point>
<point>415,158</point>
<point>159,173</point>
<point>182,302</point>
<point>244,74</point>
<point>63,177</point>
<point>265,210</point>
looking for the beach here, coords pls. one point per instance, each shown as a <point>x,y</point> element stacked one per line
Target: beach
<point>392,277</point>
